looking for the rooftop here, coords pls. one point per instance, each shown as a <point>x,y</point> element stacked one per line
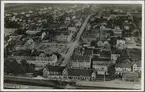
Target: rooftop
<point>55,68</point>
<point>80,58</point>
<point>80,72</point>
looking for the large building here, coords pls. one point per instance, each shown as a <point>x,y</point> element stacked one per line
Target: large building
<point>39,61</point>
<point>51,72</point>
<point>79,61</point>
<point>100,64</point>
<point>79,74</point>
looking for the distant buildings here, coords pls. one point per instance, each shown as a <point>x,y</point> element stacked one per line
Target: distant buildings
<point>39,61</point>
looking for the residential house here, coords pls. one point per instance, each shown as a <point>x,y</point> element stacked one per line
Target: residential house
<point>122,68</point>
<point>117,32</point>
<point>121,44</point>
<point>72,29</point>
<point>136,66</point>
<point>53,72</point>
<point>29,44</point>
<point>114,57</point>
<point>100,44</point>
<point>107,45</point>
<point>79,61</point>
<point>130,76</point>
<point>63,36</point>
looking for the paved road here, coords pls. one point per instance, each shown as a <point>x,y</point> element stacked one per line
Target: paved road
<point>75,43</point>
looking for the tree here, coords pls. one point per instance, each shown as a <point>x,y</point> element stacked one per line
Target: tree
<point>24,66</point>
<point>31,68</point>
<point>16,69</point>
<point>111,71</point>
<point>93,43</point>
<point>7,65</point>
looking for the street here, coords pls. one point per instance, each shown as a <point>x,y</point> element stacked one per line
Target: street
<point>75,43</point>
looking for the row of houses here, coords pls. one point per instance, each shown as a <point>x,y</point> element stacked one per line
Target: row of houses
<point>100,59</point>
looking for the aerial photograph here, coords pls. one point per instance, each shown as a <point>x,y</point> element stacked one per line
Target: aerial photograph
<point>72,46</point>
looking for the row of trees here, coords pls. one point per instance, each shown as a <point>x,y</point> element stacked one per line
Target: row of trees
<point>12,66</point>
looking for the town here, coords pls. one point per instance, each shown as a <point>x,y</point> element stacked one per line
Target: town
<point>81,44</point>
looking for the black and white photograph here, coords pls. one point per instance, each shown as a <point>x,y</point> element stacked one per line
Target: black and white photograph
<point>72,45</point>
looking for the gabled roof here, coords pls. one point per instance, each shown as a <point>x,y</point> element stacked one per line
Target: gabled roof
<point>55,68</point>
<point>80,72</point>
<point>105,53</point>
<point>138,63</point>
<point>123,65</point>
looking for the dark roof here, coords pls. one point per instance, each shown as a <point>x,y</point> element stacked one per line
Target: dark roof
<point>97,51</point>
<point>55,68</point>
<point>105,53</point>
<point>88,52</point>
<point>80,72</point>
<point>138,63</point>
<point>135,54</point>
<point>100,59</point>
<point>22,53</point>
<point>123,65</point>
<point>124,53</point>
<point>59,32</point>
<point>80,58</point>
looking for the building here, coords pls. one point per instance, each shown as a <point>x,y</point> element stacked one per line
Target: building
<point>39,61</point>
<point>114,56</point>
<point>88,52</point>
<point>72,29</point>
<point>105,53</point>
<point>97,51</point>
<point>100,64</point>
<point>100,44</point>
<point>122,68</point>
<point>107,45</point>
<point>79,61</point>
<point>136,66</point>
<point>63,36</point>
<point>121,44</point>
<point>130,76</point>
<point>118,32</point>
<point>53,72</point>
<point>79,74</point>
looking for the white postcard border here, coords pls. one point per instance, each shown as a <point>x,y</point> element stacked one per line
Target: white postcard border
<point>76,2</point>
